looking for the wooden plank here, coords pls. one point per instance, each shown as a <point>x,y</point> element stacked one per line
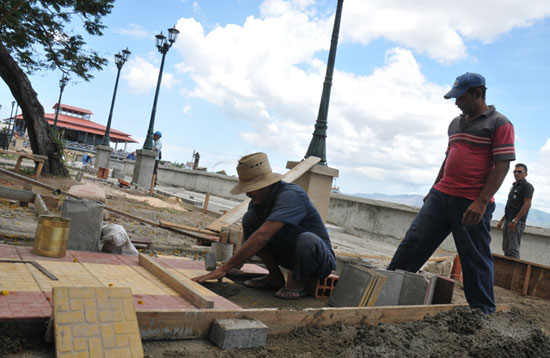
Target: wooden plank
<point>233,215</point>
<point>167,224</point>
<point>191,324</point>
<point>378,257</point>
<point>522,276</point>
<point>184,287</point>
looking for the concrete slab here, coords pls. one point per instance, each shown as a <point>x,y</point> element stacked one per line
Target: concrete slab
<point>417,289</point>
<point>357,286</point>
<point>389,296</point>
<point>86,219</point>
<point>238,333</point>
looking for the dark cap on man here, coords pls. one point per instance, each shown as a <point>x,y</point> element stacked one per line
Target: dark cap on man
<point>464,82</point>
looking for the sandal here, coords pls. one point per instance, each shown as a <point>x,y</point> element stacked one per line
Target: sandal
<point>260,282</point>
<point>286,293</point>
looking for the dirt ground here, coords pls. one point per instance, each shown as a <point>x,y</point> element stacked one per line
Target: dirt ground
<point>523,332</point>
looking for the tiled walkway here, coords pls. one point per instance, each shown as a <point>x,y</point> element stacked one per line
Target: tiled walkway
<point>25,292</point>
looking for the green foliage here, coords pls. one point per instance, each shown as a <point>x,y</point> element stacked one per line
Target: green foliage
<point>221,172</point>
<point>40,34</point>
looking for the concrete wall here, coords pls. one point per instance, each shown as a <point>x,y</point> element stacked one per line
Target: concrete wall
<point>378,219</point>
<point>389,222</point>
<point>193,180</point>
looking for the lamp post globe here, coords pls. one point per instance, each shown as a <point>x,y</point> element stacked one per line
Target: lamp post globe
<point>163,45</point>
<point>120,60</point>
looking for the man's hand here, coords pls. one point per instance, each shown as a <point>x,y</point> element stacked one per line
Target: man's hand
<point>474,213</point>
<point>217,273</point>
<point>499,225</point>
<point>512,226</point>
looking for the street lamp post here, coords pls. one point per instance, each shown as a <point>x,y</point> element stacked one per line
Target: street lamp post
<point>62,83</point>
<point>317,146</point>
<point>163,45</point>
<point>120,59</point>
<point>11,116</point>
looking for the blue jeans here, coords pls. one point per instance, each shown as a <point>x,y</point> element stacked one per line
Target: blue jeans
<point>512,240</point>
<point>306,255</point>
<point>440,215</point>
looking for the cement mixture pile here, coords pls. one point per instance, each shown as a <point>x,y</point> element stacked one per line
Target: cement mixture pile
<point>461,332</point>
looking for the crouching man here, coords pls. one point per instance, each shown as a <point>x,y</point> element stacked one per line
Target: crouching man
<point>283,228</point>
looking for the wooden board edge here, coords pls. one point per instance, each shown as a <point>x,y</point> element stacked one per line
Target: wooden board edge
<point>192,324</point>
<point>183,288</point>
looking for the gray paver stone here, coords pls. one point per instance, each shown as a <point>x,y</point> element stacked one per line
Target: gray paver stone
<point>238,333</point>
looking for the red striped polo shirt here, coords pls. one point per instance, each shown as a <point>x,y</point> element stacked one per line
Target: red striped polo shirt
<point>473,149</point>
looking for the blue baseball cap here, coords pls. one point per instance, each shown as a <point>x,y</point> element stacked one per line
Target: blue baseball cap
<point>463,83</point>
<point>158,133</point>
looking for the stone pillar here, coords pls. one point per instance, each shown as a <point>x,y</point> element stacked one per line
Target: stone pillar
<point>143,168</point>
<point>317,182</point>
<point>103,156</point>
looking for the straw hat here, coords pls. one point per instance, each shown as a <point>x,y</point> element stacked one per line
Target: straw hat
<point>254,173</point>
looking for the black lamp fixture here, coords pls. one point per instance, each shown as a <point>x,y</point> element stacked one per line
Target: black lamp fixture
<point>120,60</point>
<point>62,83</point>
<point>163,45</point>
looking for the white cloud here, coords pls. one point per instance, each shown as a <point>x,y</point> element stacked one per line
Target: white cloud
<point>387,127</point>
<point>436,27</point>
<point>142,76</point>
<point>134,31</point>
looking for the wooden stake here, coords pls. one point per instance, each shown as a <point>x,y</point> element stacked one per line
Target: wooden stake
<point>153,185</point>
<point>206,199</point>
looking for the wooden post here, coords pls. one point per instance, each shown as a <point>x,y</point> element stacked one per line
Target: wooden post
<point>153,185</point>
<point>206,199</point>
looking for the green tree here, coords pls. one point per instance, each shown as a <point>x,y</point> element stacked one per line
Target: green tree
<point>40,35</point>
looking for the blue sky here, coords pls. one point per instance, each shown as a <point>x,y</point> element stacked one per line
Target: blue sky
<point>247,75</point>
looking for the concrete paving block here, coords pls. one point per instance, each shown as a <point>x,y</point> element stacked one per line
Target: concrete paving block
<point>238,333</point>
<point>356,283</point>
<point>417,289</point>
<point>389,296</point>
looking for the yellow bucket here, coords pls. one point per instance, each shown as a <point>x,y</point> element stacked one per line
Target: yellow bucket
<point>52,235</point>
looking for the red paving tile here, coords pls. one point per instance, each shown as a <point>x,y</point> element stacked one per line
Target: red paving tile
<point>26,254</point>
<point>129,260</point>
<point>9,252</point>
<point>22,305</point>
<point>96,258</point>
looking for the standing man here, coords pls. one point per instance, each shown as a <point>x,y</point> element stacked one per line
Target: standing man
<point>283,228</point>
<point>480,148</point>
<point>157,147</point>
<point>515,213</point>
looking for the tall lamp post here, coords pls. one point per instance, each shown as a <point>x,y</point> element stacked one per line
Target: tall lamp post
<point>62,83</point>
<point>120,59</point>
<point>163,45</point>
<point>317,146</point>
<point>11,116</point>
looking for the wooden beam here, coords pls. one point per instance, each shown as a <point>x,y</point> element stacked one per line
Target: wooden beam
<point>191,324</point>
<point>233,215</point>
<point>169,224</point>
<point>185,287</point>
<point>40,206</point>
<point>16,194</point>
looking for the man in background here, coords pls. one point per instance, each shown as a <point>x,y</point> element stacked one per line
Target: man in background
<point>157,147</point>
<point>515,213</point>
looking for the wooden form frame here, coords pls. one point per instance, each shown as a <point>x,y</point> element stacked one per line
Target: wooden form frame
<point>527,278</point>
<point>192,324</point>
<point>185,287</point>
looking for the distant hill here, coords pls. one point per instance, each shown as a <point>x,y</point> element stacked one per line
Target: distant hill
<point>536,217</point>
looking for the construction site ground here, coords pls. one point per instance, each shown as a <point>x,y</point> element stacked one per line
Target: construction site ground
<point>522,332</point>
